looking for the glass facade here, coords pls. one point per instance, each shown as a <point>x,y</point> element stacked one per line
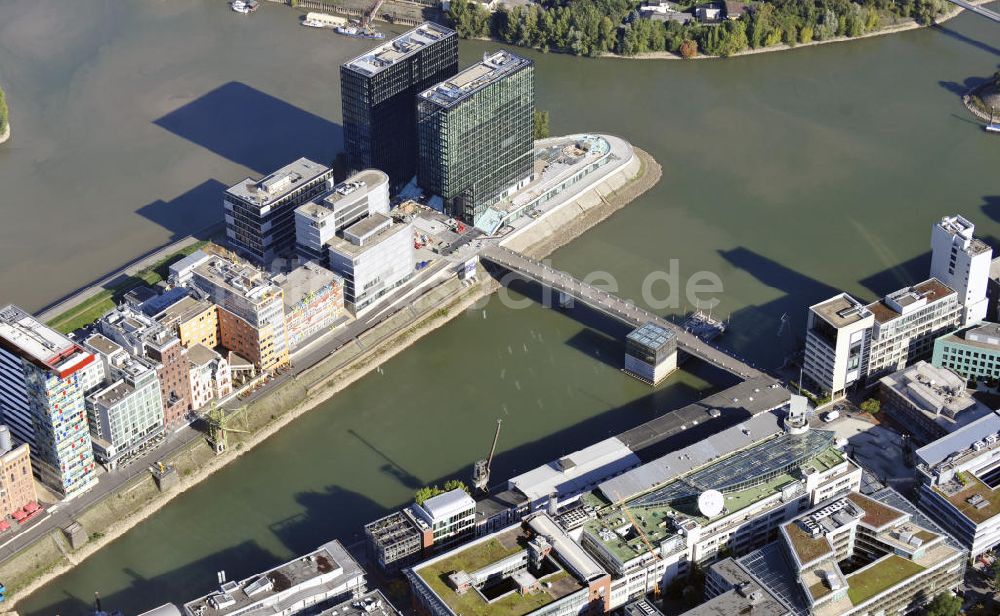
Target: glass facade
<point>476,145</point>
<point>379,106</point>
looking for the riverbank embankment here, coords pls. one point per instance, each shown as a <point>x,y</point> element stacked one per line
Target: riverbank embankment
<point>51,555</point>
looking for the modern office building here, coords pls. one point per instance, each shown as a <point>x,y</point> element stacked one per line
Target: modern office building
<point>401,538</point>
<point>378,93</point>
<point>851,556</point>
<point>729,589</point>
<point>963,262</point>
<point>324,576</point>
<point>127,413</point>
<point>973,352</point>
<point>42,400</point>
<point>650,353</point>
<point>260,214</point>
<point>906,324</point>
<point>532,569</point>
<point>320,220</point>
<point>179,272</point>
<point>929,401</point>
<point>195,321</point>
<point>727,494</point>
<point>141,336</point>
<point>373,256</point>
<point>314,300</point>
<point>251,310</point>
<point>837,331</point>
<point>17,482</point>
<point>476,134</point>
<point>211,377</point>
<point>958,483</point>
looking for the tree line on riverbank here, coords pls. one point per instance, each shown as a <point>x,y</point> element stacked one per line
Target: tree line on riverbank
<point>595,27</point>
<point>3,112</point>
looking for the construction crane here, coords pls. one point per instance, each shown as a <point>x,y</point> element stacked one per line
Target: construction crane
<point>481,469</point>
<point>371,15</point>
<point>221,424</point>
<point>642,533</point>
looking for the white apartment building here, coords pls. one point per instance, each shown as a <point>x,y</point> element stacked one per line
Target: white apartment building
<point>373,257</point>
<point>962,262</point>
<point>836,333</point>
<point>847,343</point>
<point>906,324</point>
<point>447,517</point>
<point>42,400</point>
<point>319,221</point>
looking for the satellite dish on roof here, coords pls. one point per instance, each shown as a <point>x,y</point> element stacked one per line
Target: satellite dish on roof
<point>710,503</point>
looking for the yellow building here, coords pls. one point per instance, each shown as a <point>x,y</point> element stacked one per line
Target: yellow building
<point>195,321</point>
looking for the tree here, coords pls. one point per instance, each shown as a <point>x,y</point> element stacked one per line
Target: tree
<point>688,48</point>
<point>3,111</point>
<point>945,604</point>
<point>871,406</point>
<point>455,484</point>
<point>541,124</point>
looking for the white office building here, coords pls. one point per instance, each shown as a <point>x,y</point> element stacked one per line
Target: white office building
<point>373,256</point>
<point>959,478</point>
<point>836,333</point>
<point>906,324</point>
<point>42,400</point>
<point>962,262</point>
<point>319,221</point>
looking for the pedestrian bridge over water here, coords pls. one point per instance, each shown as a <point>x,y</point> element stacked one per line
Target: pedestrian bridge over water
<point>613,306</point>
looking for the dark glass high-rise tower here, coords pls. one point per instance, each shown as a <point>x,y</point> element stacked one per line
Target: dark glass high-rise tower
<point>379,90</point>
<point>476,134</point>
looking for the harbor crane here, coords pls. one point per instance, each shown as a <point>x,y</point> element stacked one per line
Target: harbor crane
<point>221,424</point>
<point>481,469</point>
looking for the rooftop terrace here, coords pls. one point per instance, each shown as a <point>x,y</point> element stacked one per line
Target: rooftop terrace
<point>492,69</point>
<point>841,311</point>
<point>879,577</point>
<point>895,304</point>
<point>278,184</point>
<point>479,554</point>
<point>399,48</point>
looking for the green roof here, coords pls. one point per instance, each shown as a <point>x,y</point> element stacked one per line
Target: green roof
<point>879,577</point>
<point>655,521</point>
<point>478,555</point>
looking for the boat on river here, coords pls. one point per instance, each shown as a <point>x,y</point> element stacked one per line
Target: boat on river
<point>358,32</point>
<point>993,127</point>
<point>244,7</point>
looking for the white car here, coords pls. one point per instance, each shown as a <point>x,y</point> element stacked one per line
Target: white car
<point>830,416</point>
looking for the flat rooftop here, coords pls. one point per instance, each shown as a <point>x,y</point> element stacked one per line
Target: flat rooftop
<point>25,336</point>
<point>279,184</point>
<point>101,344</point>
<point>113,394</point>
<point>329,566</point>
<point>199,354</point>
<point>399,48</point>
<point>240,279</point>
<point>183,310</point>
<point>841,311</point>
<point>714,413</point>
<point>347,247</point>
<point>483,552</point>
<point>985,336</point>
<point>492,69</point>
<point>932,290</point>
<point>746,597</point>
<point>303,281</point>
<point>937,393</point>
<point>372,603</point>
<point>350,190</point>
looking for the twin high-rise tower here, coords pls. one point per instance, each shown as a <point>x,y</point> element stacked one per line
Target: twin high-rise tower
<point>467,136</point>
<point>379,90</point>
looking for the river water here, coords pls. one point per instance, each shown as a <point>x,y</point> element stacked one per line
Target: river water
<point>787,175</point>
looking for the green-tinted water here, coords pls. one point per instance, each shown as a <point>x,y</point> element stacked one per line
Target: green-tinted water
<point>789,175</point>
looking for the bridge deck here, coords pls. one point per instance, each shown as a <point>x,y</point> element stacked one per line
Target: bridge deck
<point>615,307</point>
<point>979,10</point>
